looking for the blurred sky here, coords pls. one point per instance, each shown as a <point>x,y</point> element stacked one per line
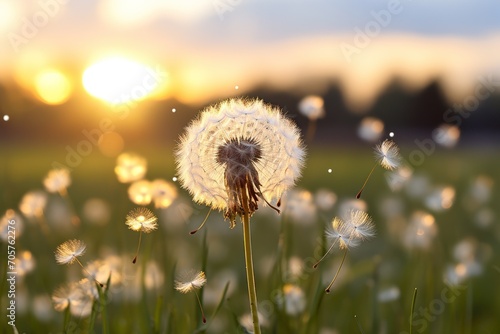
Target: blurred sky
<point>208,47</point>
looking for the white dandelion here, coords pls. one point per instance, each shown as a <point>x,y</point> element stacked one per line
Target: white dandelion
<point>233,155</point>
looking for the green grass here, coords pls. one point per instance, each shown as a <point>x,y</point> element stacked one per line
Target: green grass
<point>351,307</point>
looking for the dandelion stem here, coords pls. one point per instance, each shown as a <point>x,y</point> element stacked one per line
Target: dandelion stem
<point>411,311</point>
<point>311,130</point>
<point>327,252</point>
<point>247,241</point>
<point>201,308</point>
<point>203,223</point>
<point>138,246</point>
<point>358,195</point>
<point>81,265</point>
<point>337,273</point>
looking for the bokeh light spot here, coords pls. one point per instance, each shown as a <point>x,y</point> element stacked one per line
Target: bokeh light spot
<point>111,144</point>
<point>53,87</point>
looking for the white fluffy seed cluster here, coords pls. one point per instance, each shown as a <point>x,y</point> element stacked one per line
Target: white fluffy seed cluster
<point>278,138</point>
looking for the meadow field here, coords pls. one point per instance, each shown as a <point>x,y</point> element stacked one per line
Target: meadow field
<point>436,226</point>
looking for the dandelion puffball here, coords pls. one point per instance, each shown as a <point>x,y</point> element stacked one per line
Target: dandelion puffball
<point>239,148</point>
<point>311,106</point>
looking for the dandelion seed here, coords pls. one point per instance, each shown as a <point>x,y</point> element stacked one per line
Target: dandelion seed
<point>391,134</point>
<point>387,155</point>
<point>57,180</point>
<point>357,227</point>
<point>174,110</point>
<point>141,220</point>
<point>69,251</point>
<point>6,118</point>
<point>76,296</point>
<point>65,295</point>
<point>361,224</point>
<point>330,170</point>
<point>192,281</point>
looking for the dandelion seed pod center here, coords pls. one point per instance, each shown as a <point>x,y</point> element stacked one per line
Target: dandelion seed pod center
<point>239,152</point>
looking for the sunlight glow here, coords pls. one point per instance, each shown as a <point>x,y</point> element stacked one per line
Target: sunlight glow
<point>9,11</point>
<point>53,87</point>
<point>121,80</point>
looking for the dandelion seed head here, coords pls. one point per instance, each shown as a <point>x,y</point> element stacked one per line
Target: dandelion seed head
<point>190,281</point>
<point>239,142</point>
<point>388,294</point>
<point>164,193</point>
<point>154,276</point>
<point>130,167</point>
<point>446,135</point>
<point>68,251</point>
<point>25,263</point>
<point>387,155</point>
<point>97,211</point>
<point>480,189</point>
<point>57,180</point>
<point>295,299</point>
<point>33,203</point>
<point>6,118</point>
<point>391,134</point>
<point>311,106</point>
<point>440,198</point>
<point>370,129</point>
<point>299,206</point>
<point>421,231</point>
<point>10,215</point>
<point>140,192</point>
<point>141,219</point>
<point>325,199</point>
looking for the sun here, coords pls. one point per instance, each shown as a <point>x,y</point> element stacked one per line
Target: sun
<point>120,80</point>
<point>53,87</point>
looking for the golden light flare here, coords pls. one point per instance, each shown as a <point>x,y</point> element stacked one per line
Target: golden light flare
<point>120,80</point>
<point>9,11</point>
<point>53,87</point>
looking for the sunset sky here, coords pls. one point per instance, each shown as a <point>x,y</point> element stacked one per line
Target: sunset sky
<point>207,48</point>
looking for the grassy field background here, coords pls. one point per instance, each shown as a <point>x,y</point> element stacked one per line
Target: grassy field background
<point>353,306</point>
